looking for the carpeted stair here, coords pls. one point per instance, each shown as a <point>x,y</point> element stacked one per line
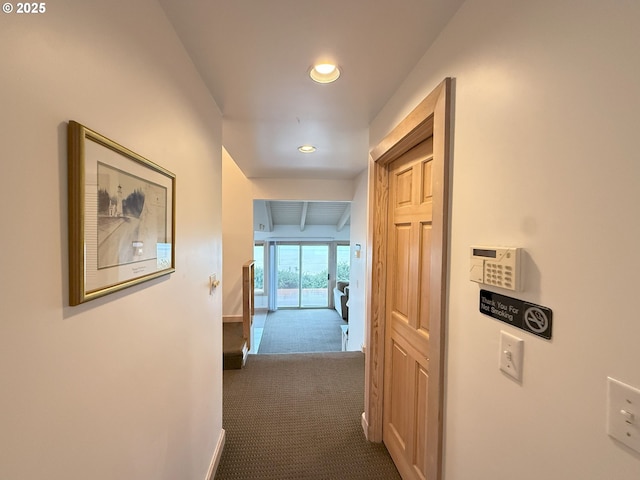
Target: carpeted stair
<point>234,346</point>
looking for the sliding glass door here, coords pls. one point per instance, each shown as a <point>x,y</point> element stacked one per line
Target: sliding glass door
<point>315,276</point>
<point>303,275</point>
<point>288,275</point>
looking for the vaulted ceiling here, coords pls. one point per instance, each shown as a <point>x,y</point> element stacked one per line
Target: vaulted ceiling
<point>254,57</point>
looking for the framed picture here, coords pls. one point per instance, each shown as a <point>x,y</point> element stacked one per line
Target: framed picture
<point>121,217</point>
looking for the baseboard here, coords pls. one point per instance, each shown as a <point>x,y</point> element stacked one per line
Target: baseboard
<point>231,318</point>
<point>217,454</point>
<point>365,426</point>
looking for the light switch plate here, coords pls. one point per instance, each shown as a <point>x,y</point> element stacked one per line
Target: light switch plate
<point>623,413</point>
<point>511,355</point>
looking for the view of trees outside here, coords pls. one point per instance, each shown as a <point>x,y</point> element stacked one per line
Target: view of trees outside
<point>258,268</point>
<point>343,257</point>
<point>313,281</point>
<point>288,275</point>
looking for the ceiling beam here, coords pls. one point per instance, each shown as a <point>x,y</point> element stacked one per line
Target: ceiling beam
<point>303,216</point>
<point>345,216</point>
<point>267,206</point>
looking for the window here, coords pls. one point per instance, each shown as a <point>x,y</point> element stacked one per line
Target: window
<point>343,262</point>
<point>258,258</point>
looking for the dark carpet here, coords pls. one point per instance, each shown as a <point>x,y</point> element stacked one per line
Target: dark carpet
<point>297,417</point>
<point>302,331</point>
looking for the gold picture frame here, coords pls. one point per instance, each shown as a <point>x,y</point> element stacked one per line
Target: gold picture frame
<point>121,216</point>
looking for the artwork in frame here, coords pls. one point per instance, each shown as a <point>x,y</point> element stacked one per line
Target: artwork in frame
<point>121,216</point>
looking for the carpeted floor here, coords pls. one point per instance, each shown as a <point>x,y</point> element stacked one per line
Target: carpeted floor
<point>302,331</point>
<point>294,417</point>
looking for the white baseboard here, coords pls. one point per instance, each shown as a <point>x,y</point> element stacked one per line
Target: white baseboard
<point>217,454</point>
<point>231,318</point>
<point>365,426</point>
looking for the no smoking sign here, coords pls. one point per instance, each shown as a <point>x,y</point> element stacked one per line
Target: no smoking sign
<point>526,316</point>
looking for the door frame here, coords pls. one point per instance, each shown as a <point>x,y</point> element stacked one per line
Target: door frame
<point>431,117</point>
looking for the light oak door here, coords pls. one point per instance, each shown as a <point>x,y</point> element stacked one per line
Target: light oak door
<point>414,278</point>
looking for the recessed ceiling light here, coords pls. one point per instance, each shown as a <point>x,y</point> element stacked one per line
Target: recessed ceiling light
<point>307,148</point>
<point>324,73</point>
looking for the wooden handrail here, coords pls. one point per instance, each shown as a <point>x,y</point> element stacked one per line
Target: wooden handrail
<point>248,307</point>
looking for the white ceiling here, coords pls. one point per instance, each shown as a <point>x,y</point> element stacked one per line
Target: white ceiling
<point>254,56</point>
<point>270,214</point>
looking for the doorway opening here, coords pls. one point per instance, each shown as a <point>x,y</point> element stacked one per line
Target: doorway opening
<point>310,278</point>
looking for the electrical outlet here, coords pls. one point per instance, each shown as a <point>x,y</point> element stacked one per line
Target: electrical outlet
<point>511,355</point>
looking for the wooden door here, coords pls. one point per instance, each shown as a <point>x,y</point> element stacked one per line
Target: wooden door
<point>414,273</point>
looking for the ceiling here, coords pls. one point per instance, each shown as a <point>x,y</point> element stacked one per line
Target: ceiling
<point>254,57</point>
<point>270,214</point>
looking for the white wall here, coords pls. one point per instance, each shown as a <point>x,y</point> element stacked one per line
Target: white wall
<point>302,189</point>
<point>237,237</point>
<point>544,157</point>
<point>358,270</point>
<point>292,233</point>
<point>127,386</point>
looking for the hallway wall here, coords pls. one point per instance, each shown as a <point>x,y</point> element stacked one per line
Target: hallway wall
<point>358,271</point>
<point>128,386</point>
<point>545,158</point>
<point>237,234</point>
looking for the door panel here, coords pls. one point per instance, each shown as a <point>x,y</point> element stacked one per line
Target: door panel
<point>409,257</point>
<point>398,420</point>
<point>288,276</point>
<point>427,183</point>
<point>314,267</point>
<point>401,271</point>
<point>422,395</point>
<point>425,278</point>
<point>404,187</point>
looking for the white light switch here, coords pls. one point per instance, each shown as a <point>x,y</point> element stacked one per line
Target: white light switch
<point>623,413</point>
<point>511,355</point>
<point>213,283</point>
